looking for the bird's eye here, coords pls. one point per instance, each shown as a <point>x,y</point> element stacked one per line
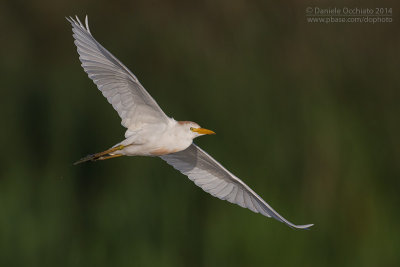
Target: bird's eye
<point>191,128</point>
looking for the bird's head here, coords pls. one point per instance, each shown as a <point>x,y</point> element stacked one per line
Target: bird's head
<point>193,129</point>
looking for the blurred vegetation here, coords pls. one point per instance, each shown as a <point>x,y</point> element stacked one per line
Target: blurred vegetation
<point>306,114</point>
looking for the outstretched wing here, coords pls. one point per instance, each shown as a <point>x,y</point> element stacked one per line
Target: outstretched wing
<point>122,89</point>
<point>213,178</point>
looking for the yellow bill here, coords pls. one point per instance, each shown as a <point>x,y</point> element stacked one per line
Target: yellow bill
<point>202,131</point>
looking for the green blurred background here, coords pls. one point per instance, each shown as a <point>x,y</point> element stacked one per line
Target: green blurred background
<point>306,114</point>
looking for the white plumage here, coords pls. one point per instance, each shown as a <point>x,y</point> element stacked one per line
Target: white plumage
<point>213,178</point>
<point>117,83</point>
<point>151,133</point>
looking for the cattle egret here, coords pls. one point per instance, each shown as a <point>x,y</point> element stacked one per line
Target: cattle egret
<point>152,133</point>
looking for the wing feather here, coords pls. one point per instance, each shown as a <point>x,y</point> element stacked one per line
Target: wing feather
<point>231,196</point>
<point>213,178</point>
<point>116,82</point>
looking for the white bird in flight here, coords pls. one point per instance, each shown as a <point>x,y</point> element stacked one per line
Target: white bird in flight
<point>152,133</point>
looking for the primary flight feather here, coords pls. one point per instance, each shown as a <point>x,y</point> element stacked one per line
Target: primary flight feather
<point>152,133</point>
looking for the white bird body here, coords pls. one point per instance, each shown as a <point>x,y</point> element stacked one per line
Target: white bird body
<point>159,139</point>
<point>151,133</point>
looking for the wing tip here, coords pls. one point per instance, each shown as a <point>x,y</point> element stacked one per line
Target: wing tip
<point>87,23</point>
<point>76,22</point>
<point>303,227</point>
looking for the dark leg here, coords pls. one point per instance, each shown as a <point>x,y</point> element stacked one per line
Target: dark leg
<point>100,155</point>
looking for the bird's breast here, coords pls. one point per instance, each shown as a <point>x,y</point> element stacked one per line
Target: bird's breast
<point>163,151</point>
<point>169,144</point>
